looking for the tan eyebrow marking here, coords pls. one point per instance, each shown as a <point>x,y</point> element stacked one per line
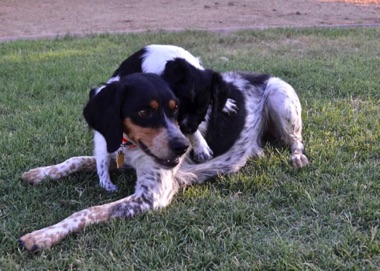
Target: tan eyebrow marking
<point>154,104</point>
<point>172,104</point>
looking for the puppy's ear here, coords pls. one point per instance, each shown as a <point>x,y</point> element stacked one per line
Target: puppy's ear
<point>93,92</point>
<point>176,71</point>
<point>219,93</point>
<point>103,114</point>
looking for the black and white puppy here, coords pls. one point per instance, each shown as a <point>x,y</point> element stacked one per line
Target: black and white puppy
<point>190,82</point>
<point>269,109</point>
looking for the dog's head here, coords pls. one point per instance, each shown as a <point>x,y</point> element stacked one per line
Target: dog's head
<point>197,90</point>
<point>143,107</point>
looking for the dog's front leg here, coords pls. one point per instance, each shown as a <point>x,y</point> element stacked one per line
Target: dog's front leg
<point>230,107</point>
<point>201,151</point>
<point>54,172</point>
<point>103,159</point>
<point>49,236</point>
<point>154,189</point>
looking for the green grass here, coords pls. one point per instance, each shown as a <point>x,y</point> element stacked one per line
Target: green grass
<point>269,216</point>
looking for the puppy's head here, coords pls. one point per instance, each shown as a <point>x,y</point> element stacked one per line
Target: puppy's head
<point>197,90</point>
<point>143,107</point>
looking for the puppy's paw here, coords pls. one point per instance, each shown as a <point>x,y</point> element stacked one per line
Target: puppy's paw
<point>202,153</point>
<point>230,107</point>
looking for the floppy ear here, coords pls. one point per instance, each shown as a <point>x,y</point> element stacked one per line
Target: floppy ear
<point>176,71</point>
<point>103,114</point>
<point>219,93</point>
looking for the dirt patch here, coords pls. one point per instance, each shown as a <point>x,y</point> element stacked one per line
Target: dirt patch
<point>46,18</point>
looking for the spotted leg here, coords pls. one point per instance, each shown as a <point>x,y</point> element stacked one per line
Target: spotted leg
<point>284,108</point>
<point>154,189</point>
<point>54,172</point>
<point>49,236</point>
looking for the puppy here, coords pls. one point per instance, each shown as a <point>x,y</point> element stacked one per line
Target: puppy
<point>190,82</point>
<point>269,109</point>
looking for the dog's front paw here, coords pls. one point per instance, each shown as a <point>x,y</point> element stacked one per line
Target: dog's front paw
<point>230,107</point>
<point>202,154</point>
<point>41,239</point>
<point>34,176</point>
<point>108,185</point>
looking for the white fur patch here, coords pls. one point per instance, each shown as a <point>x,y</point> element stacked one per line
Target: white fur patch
<point>154,60</point>
<point>230,107</point>
<point>113,79</point>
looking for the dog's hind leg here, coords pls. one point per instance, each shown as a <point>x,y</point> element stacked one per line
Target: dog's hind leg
<point>54,172</point>
<point>284,111</point>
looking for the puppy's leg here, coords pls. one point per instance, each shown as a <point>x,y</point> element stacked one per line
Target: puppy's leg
<point>230,107</point>
<point>202,151</point>
<point>54,172</point>
<point>284,109</point>
<point>154,189</point>
<point>103,159</point>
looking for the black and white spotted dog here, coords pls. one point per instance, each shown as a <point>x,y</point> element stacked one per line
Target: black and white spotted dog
<point>268,107</point>
<point>190,82</point>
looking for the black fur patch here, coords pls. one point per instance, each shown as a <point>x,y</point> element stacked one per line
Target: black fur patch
<point>256,79</point>
<point>123,99</point>
<point>130,65</point>
<point>225,129</point>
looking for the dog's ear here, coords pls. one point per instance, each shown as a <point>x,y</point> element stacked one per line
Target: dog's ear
<point>103,114</point>
<point>93,92</point>
<point>176,71</point>
<point>219,93</point>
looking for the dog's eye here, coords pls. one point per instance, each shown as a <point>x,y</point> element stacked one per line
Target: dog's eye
<point>176,108</point>
<point>145,113</point>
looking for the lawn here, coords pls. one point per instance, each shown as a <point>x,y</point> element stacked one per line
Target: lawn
<point>269,216</point>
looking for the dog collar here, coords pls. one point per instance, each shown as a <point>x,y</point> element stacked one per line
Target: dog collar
<point>120,155</point>
<point>127,143</point>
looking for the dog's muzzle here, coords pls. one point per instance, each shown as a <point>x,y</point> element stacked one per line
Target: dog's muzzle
<point>178,146</point>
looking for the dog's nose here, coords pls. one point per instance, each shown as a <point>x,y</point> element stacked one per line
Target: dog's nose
<point>187,129</point>
<point>179,146</point>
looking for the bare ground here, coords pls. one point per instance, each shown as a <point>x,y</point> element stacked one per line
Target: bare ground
<point>49,18</point>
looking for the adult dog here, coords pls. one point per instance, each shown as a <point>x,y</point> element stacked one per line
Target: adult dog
<point>268,107</point>
<point>190,82</point>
